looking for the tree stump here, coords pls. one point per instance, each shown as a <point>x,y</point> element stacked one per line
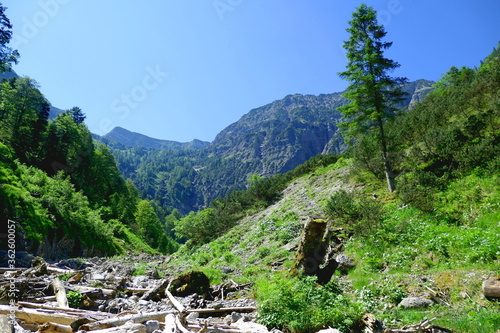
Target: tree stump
<point>313,255</point>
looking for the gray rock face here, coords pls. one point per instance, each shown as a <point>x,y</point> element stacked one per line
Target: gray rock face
<point>415,302</point>
<point>283,134</point>
<point>287,132</point>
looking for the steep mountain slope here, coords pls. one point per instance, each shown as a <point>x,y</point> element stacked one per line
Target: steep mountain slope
<point>268,140</point>
<point>287,132</point>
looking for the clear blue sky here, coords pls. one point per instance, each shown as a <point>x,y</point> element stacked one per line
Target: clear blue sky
<point>185,69</point>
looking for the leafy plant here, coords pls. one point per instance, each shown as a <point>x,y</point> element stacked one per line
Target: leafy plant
<point>74,299</point>
<point>301,305</point>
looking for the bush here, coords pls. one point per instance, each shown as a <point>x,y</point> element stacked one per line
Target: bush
<point>354,212</point>
<point>418,189</point>
<point>301,305</point>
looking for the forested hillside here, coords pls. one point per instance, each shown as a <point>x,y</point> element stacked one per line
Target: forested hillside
<point>61,187</point>
<point>63,190</point>
<point>269,140</point>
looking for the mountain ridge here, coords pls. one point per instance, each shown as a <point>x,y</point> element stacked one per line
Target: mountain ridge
<point>269,140</point>
<point>134,139</point>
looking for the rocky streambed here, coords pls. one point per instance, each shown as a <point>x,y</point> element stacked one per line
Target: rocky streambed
<point>107,295</point>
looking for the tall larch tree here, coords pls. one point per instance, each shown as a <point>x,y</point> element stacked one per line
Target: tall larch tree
<point>372,92</point>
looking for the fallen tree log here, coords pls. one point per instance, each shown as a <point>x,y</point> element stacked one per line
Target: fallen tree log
<point>126,328</point>
<point>43,299</point>
<point>118,321</point>
<point>54,328</point>
<point>156,290</point>
<point>423,327</point>
<point>77,312</point>
<point>60,293</point>
<point>174,302</point>
<point>95,293</point>
<point>135,290</point>
<point>39,316</point>
<point>210,310</point>
<point>60,271</point>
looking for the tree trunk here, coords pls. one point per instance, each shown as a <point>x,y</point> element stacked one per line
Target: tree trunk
<point>313,255</point>
<point>389,176</point>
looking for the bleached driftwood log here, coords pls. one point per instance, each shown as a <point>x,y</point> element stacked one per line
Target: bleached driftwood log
<point>156,289</point>
<point>126,328</point>
<point>222,310</point>
<point>60,292</point>
<point>60,271</point>
<point>118,321</point>
<point>76,312</point>
<point>174,302</point>
<point>40,316</point>
<point>423,327</point>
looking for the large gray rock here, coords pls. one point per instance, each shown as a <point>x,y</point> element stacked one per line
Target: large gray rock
<point>415,302</point>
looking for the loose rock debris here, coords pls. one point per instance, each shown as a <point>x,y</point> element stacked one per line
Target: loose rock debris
<point>104,297</point>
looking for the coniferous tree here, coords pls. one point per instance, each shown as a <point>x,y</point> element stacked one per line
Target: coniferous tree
<point>7,55</point>
<point>373,94</point>
<point>77,114</point>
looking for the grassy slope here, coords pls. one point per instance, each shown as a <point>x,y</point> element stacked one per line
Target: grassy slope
<point>410,253</point>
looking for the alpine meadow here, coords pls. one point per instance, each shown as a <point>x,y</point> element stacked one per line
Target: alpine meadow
<point>375,209</point>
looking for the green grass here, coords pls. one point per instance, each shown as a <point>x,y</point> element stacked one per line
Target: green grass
<point>464,320</point>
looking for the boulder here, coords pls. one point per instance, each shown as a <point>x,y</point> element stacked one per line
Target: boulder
<point>194,282</point>
<point>491,288</point>
<point>415,302</point>
<point>344,263</point>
